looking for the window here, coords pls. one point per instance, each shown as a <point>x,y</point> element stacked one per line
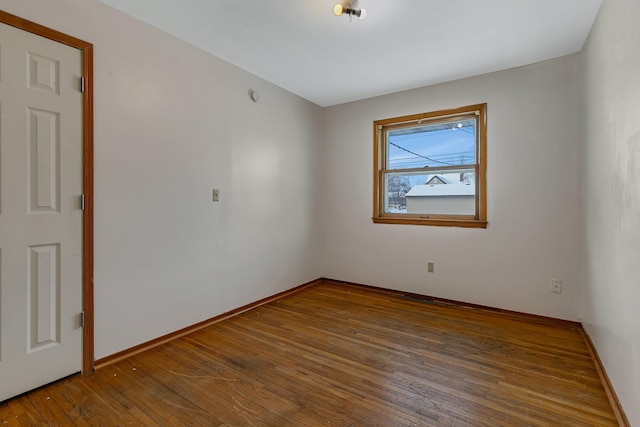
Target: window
<point>430,168</point>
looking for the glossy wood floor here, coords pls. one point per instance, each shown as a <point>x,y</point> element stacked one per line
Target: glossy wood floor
<point>335,355</point>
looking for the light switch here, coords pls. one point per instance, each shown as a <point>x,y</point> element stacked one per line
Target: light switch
<point>216,195</point>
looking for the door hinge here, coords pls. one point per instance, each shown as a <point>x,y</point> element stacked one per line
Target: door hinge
<point>82,84</point>
<point>82,201</point>
<point>82,319</point>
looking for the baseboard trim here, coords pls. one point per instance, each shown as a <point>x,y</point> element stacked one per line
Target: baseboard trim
<point>121,355</point>
<point>514,314</point>
<point>621,417</point>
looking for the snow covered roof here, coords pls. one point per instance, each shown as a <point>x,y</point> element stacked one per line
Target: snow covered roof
<point>443,179</point>
<point>442,190</point>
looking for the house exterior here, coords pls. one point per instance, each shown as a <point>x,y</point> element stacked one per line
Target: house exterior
<point>443,194</point>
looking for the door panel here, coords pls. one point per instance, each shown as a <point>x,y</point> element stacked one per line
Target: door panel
<point>40,215</point>
<point>43,297</point>
<point>44,154</point>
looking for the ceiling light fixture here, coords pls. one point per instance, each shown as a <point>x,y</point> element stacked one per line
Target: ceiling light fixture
<point>349,7</point>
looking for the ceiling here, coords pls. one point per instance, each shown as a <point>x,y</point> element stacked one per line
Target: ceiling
<point>301,46</point>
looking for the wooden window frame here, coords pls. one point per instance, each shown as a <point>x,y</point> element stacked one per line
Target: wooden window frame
<point>380,127</point>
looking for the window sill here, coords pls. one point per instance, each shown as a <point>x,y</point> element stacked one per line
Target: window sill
<point>439,222</point>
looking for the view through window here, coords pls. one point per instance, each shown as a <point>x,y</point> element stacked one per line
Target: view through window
<point>430,168</point>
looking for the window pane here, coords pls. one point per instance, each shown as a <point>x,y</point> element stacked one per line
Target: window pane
<point>451,192</point>
<point>449,143</point>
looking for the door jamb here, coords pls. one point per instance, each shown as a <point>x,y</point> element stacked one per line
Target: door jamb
<point>87,172</point>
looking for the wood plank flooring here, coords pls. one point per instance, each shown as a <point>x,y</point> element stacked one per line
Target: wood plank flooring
<point>335,355</point>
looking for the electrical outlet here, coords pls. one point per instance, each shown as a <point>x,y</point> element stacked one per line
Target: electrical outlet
<point>556,286</point>
<point>216,195</point>
<point>430,267</point>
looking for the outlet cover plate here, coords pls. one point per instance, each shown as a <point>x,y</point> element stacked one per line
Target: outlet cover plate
<point>556,286</point>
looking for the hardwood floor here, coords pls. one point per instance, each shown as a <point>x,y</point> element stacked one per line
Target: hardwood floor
<point>337,355</point>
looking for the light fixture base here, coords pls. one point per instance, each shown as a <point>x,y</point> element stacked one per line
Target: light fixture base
<point>349,7</point>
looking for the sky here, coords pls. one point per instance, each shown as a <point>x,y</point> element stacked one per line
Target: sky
<point>433,148</point>
<point>443,147</point>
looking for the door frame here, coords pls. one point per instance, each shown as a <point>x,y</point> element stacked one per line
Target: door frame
<point>86,50</point>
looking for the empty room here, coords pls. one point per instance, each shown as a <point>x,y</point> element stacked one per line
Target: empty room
<point>320,212</point>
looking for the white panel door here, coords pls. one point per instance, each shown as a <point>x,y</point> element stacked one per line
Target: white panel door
<point>40,213</point>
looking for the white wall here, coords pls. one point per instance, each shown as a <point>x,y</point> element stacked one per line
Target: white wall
<point>611,196</point>
<point>172,123</point>
<point>532,196</point>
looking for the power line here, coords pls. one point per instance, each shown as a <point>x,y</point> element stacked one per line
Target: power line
<point>419,155</point>
<point>445,157</point>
